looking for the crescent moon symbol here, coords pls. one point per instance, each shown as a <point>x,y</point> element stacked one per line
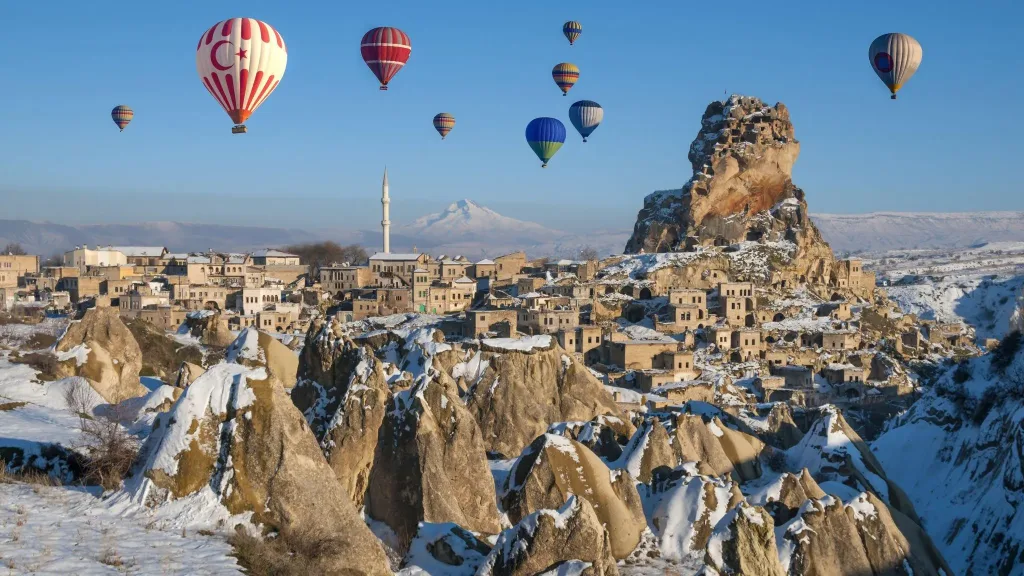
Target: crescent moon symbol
<point>213,55</point>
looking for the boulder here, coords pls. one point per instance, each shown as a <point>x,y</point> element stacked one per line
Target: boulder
<point>430,464</point>
<point>187,374</point>
<point>823,539</point>
<point>553,468</point>
<point>100,348</point>
<point>529,384</point>
<point>743,543</point>
<point>604,435</point>
<point>553,542</point>
<point>211,327</point>
<point>235,432</point>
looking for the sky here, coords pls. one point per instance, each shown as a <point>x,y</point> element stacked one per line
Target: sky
<point>316,149</point>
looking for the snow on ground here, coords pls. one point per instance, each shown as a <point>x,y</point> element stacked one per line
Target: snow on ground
<point>524,344</point>
<point>17,335</point>
<point>61,531</point>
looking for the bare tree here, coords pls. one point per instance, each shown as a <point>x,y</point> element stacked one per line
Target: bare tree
<point>14,249</point>
<point>109,449</point>
<point>319,254</point>
<point>589,253</point>
<point>53,260</point>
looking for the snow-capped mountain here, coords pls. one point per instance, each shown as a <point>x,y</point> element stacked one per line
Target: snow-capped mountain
<point>879,231</point>
<point>465,218</point>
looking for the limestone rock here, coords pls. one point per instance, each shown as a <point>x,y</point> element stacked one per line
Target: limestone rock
<point>741,190</point>
<point>187,374</point>
<point>649,449</point>
<point>210,327</point>
<point>695,442</point>
<point>521,392</point>
<point>553,468</point>
<point>743,543</point>
<point>430,463</point>
<point>823,539</point>
<point>100,348</point>
<point>546,540</point>
<point>236,432</point>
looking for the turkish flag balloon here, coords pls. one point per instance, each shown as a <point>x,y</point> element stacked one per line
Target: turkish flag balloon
<point>385,50</point>
<point>241,61</point>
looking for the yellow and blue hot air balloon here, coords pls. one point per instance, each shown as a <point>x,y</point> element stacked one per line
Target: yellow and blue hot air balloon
<point>545,136</point>
<point>572,30</point>
<point>565,75</point>
<point>122,115</point>
<point>586,116</point>
<point>895,57</point>
<point>443,123</point>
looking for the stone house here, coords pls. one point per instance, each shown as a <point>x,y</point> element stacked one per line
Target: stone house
<point>529,285</point>
<point>510,265</point>
<point>385,267</point>
<point>253,300</point>
<point>840,340</point>
<point>270,257</point>
<point>337,279</point>
<point>685,391</point>
<point>736,289</point>
<point>720,336</point>
<point>638,354</point>
<point>484,269</point>
<point>367,303</point>
<point>274,321</point>
<point>446,297</point>
<point>141,297</point>
<point>13,267</point>
<point>82,257</point>
<point>796,377</point>
<point>166,317</point>
<point>209,297</point>
<point>547,320</point>
<point>452,269</point>
<point>499,321</point>
<point>749,342</point>
<point>581,339</point>
<point>141,256</point>
<point>840,373</point>
<point>81,286</point>
<point>775,357</point>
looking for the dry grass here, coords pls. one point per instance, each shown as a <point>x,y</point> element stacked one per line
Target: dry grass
<point>298,553</point>
<point>29,476</point>
<point>8,406</point>
<point>110,449</point>
<point>44,362</point>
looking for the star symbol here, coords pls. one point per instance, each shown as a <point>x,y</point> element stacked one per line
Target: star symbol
<point>240,53</point>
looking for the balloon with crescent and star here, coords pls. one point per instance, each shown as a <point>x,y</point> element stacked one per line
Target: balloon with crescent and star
<point>545,136</point>
<point>122,115</point>
<point>572,30</point>
<point>385,50</point>
<point>895,57</point>
<point>241,62</point>
<point>443,123</point>
<point>565,75</point>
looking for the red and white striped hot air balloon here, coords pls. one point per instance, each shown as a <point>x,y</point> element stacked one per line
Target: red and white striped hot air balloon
<point>241,61</point>
<point>385,50</point>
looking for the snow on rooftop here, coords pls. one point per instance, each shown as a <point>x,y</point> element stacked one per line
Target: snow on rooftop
<point>397,256</point>
<point>269,252</point>
<point>485,262</point>
<point>141,251</point>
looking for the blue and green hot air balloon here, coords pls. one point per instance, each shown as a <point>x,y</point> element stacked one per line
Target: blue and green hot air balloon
<point>586,116</point>
<point>545,136</point>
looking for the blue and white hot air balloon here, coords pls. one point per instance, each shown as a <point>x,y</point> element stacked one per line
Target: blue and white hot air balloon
<point>586,116</point>
<point>894,58</point>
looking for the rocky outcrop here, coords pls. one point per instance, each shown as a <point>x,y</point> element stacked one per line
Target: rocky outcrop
<point>649,450</point>
<point>569,540</point>
<point>210,327</point>
<point>430,463</point>
<point>100,348</point>
<point>743,543</point>
<point>187,374</point>
<point>741,190</point>
<point>523,389</point>
<point>553,468</point>
<point>235,432</point>
<point>161,355</point>
<point>784,497</point>
<point>683,510</point>
<point>258,349</point>
<point>694,441</point>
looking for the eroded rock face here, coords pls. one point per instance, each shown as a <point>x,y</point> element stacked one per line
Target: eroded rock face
<point>554,542</point>
<point>235,431</point>
<point>649,450</point>
<point>100,348</point>
<point>211,328</point>
<point>744,543</point>
<point>430,463</point>
<point>683,510</point>
<point>520,393</point>
<point>741,189</point>
<point>553,468</point>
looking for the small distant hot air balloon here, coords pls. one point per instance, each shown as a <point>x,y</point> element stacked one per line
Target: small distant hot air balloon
<point>122,115</point>
<point>586,116</point>
<point>572,30</point>
<point>443,123</point>
<point>565,75</point>
<point>545,136</point>
<point>895,57</point>
<point>241,61</point>
<point>385,50</point>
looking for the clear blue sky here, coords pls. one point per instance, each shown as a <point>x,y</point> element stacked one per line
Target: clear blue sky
<point>317,147</point>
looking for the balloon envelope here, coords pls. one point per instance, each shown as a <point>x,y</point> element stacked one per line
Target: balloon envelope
<point>385,50</point>
<point>545,136</point>
<point>572,30</point>
<point>895,57</point>
<point>565,75</point>
<point>122,115</point>
<point>586,116</point>
<point>241,61</point>
<point>443,123</point>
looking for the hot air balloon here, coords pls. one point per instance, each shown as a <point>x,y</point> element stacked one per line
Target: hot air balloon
<point>122,115</point>
<point>545,136</point>
<point>241,61</point>
<point>895,57</point>
<point>586,116</point>
<point>443,123</point>
<point>565,75</point>
<point>572,30</point>
<point>385,50</point>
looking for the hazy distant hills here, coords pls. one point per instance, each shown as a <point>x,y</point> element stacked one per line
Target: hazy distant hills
<point>476,231</point>
<point>880,231</point>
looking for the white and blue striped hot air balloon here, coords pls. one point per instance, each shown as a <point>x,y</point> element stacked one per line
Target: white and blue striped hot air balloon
<point>895,57</point>
<point>586,116</point>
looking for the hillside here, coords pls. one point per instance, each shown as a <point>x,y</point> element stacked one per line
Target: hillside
<point>879,231</point>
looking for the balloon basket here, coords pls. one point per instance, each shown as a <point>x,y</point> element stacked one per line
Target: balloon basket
<point>240,129</point>
<point>893,97</point>
<point>544,165</point>
<point>383,87</point>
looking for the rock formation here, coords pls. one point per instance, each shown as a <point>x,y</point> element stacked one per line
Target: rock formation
<point>569,540</point>
<point>553,468</point>
<point>524,389</point>
<point>100,348</point>
<point>234,431</point>
<point>741,190</point>
<point>744,543</point>
<point>430,464</point>
<point>210,327</point>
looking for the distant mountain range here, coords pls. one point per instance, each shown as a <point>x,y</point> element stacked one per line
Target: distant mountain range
<point>881,231</point>
<point>475,231</point>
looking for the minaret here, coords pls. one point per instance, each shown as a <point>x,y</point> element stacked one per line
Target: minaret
<point>386,222</point>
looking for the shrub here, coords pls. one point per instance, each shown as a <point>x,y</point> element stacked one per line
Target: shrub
<point>110,450</point>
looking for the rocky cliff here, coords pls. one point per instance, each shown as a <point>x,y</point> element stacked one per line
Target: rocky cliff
<point>741,189</point>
